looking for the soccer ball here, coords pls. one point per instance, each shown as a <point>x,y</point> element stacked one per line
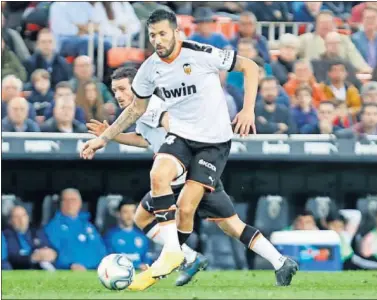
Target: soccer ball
<point>116,272</point>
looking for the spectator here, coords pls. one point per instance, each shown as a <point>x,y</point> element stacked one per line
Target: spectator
<point>365,40</point>
<point>10,64</point>
<point>326,116</point>
<point>307,11</point>
<point>233,96</point>
<point>41,96</point>
<point>76,240</point>
<point>369,244</point>
<point>83,71</point>
<point>369,92</point>
<point>312,44</point>
<point>304,113</point>
<point>114,24</point>
<point>70,22</point>
<point>89,98</point>
<point>304,76</point>
<point>17,118</point>
<point>14,41</point>
<point>246,49</point>
<point>282,98</point>
<point>336,87</point>
<point>247,30</point>
<point>63,117</point>
<point>64,89</point>
<point>322,64</point>
<point>343,117</point>
<point>368,120</point>
<point>283,67</point>
<point>204,29</point>
<point>46,57</point>
<point>270,11</point>
<point>5,265</point>
<point>351,261</point>
<point>11,88</point>
<point>304,221</point>
<point>357,13</point>
<point>128,239</point>
<point>28,247</point>
<point>272,118</point>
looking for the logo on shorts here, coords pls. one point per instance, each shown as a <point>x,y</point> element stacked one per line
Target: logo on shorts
<point>162,216</point>
<point>207,165</point>
<point>170,139</point>
<point>187,68</point>
<point>211,179</point>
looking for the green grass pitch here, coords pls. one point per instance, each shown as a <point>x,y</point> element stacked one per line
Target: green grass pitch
<point>215,285</point>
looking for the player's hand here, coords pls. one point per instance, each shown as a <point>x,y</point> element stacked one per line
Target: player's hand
<point>77,267</point>
<point>244,120</point>
<point>96,127</point>
<point>47,254</point>
<point>90,147</point>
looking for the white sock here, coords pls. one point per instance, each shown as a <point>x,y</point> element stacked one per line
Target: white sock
<point>169,235</point>
<point>264,248</point>
<point>155,235</point>
<point>189,253</point>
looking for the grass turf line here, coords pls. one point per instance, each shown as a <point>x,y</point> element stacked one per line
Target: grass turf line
<point>215,285</point>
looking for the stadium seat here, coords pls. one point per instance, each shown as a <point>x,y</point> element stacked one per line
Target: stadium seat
<point>106,211</point>
<point>321,207</point>
<point>271,214</point>
<point>117,56</point>
<point>368,208</point>
<point>50,206</point>
<point>219,248</point>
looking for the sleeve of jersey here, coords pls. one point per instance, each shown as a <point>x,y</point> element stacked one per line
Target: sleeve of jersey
<point>221,59</point>
<point>142,86</point>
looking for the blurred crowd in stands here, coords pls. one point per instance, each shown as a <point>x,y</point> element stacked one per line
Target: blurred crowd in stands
<point>66,238</point>
<point>320,80</point>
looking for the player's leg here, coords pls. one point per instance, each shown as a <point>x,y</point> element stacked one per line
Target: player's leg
<point>204,172</point>
<point>220,206</point>
<point>173,158</point>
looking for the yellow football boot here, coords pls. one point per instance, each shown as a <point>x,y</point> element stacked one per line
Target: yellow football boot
<point>142,281</point>
<point>167,263</point>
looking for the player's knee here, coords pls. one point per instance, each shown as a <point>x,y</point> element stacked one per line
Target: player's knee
<point>158,180</point>
<point>186,211</point>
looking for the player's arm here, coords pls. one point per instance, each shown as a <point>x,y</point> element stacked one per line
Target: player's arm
<point>131,139</point>
<point>251,72</point>
<point>128,117</point>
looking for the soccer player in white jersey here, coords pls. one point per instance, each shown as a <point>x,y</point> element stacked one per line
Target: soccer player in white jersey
<point>215,206</point>
<point>199,139</point>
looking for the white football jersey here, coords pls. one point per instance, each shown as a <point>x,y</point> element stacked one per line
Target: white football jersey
<point>191,88</point>
<point>148,126</point>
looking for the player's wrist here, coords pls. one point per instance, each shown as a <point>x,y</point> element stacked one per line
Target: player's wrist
<point>104,138</point>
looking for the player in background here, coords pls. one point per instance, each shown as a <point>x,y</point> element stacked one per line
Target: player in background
<point>200,130</point>
<point>216,206</point>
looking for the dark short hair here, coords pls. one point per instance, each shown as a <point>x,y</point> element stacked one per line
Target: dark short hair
<point>123,73</point>
<point>304,87</point>
<point>336,62</point>
<point>336,217</point>
<point>267,79</point>
<point>64,85</point>
<point>126,201</point>
<point>39,73</point>
<point>367,105</point>
<point>304,213</point>
<point>327,102</point>
<point>161,14</point>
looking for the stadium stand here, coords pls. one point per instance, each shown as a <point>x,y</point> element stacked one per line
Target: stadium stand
<point>80,44</point>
